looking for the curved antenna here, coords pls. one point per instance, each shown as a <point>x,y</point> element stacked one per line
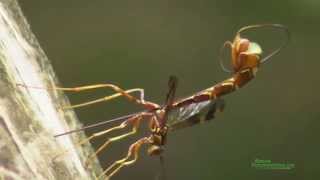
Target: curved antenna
<point>221,59</point>
<point>277,26</point>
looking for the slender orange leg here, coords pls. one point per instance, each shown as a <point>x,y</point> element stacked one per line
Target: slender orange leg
<point>107,98</point>
<point>134,120</point>
<point>130,159</point>
<point>135,123</point>
<point>119,92</point>
<point>121,126</point>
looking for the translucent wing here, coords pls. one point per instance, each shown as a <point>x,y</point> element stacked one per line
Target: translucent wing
<point>195,113</point>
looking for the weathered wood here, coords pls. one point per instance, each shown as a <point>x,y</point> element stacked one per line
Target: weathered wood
<point>30,117</point>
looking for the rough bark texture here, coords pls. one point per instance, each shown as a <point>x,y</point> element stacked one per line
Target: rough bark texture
<point>30,117</point>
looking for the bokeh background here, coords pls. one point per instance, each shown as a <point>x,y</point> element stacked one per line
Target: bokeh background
<point>140,43</point>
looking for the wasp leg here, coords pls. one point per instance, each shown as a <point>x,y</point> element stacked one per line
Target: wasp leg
<point>130,159</point>
<point>124,124</point>
<point>119,92</point>
<point>135,121</point>
<point>113,96</point>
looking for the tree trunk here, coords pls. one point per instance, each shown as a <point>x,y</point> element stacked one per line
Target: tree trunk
<point>30,117</point>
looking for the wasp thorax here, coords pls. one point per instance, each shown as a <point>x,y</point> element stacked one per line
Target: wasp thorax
<point>155,150</point>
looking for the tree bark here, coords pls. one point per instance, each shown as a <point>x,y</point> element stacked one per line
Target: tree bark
<point>29,117</point>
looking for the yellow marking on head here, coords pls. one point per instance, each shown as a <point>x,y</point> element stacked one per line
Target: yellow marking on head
<point>254,48</point>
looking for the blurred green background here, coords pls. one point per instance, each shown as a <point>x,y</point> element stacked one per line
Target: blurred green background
<point>140,43</point>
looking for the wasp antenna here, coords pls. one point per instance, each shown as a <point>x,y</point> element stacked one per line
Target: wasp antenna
<point>277,26</point>
<point>221,58</point>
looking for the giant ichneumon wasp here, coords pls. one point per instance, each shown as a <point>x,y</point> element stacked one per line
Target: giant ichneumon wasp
<point>176,114</point>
